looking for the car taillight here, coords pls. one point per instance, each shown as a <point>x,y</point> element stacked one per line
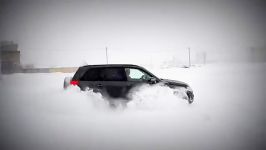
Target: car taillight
<point>74,82</point>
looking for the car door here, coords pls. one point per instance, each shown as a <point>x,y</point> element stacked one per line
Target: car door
<point>114,82</point>
<point>136,77</point>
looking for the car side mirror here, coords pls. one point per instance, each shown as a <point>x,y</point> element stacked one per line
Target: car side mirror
<point>152,80</point>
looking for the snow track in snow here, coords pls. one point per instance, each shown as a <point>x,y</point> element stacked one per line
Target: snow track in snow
<point>228,113</point>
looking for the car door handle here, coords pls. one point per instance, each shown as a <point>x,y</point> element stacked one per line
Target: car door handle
<point>99,85</point>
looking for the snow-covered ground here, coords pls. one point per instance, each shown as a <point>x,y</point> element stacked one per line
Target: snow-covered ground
<point>228,113</point>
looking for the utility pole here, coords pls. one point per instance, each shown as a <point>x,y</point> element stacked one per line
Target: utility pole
<point>189,63</point>
<point>106,54</point>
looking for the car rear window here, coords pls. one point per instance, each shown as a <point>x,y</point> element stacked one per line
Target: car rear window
<point>104,74</point>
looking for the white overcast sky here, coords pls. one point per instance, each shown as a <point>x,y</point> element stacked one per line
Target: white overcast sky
<point>78,25</point>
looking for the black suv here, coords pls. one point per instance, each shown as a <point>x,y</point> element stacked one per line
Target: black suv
<point>116,80</point>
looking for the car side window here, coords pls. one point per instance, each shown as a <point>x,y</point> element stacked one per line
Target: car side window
<point>113,74</point>
<point>92,75</point>
<point>134,74</point>
<point>104,74</point>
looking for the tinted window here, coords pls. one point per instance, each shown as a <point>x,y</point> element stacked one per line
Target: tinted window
<point>104,74</point>
<point>92,75</point>
<point>113,74</point>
